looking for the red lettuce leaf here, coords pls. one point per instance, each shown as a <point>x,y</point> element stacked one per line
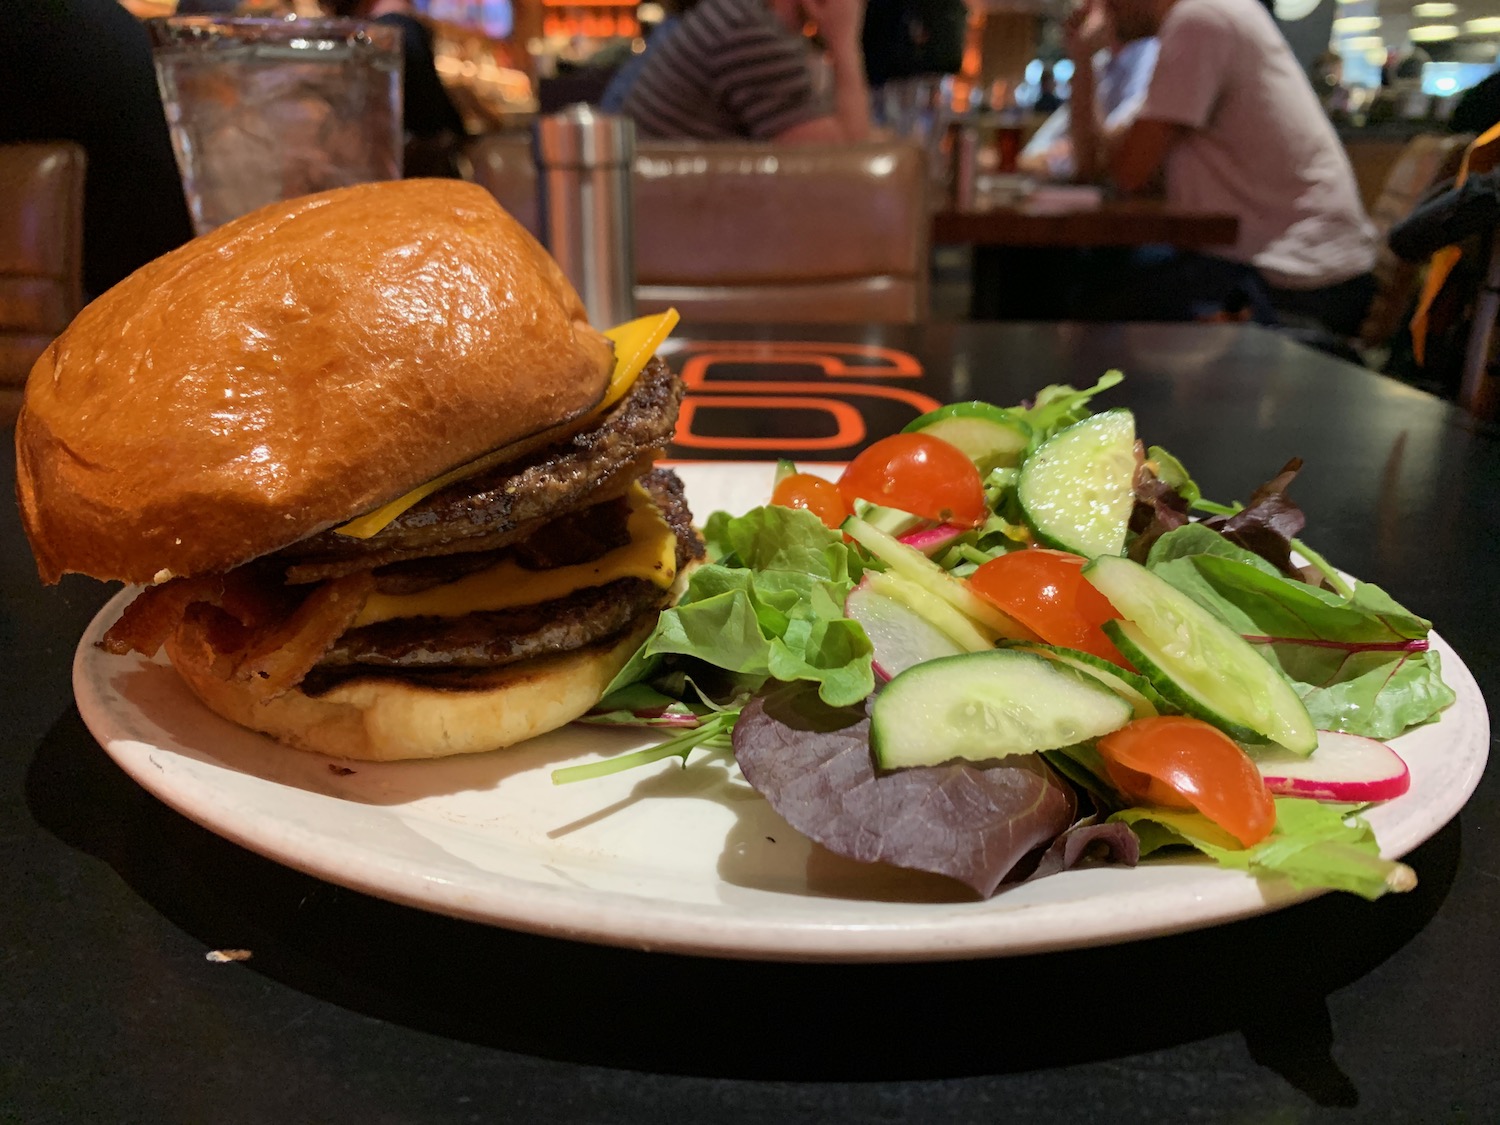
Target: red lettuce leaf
<point>1089,839</point>
<point>1265,527</point>
<point>1269,523</point>
<point>1159,508</point>
<point>812,763</point>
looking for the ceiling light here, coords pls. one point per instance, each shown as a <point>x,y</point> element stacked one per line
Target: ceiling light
<point>1489,25</point>
<point>1364,43</point>
<point>1356,23</point>
<point>1434,11</point>
<point>1432,32</point>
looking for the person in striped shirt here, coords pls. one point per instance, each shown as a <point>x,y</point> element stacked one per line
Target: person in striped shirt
<point>740,70</point>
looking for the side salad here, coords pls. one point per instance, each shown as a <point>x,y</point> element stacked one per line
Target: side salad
<point>1009,640</point>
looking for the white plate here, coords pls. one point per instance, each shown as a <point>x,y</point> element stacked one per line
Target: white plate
<point>665,858</point>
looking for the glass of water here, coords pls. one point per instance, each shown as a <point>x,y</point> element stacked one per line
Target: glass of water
<point>268,109</point>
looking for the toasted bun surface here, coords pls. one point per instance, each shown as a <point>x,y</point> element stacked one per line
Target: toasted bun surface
<point>290,370</point>
<point>379,718</point>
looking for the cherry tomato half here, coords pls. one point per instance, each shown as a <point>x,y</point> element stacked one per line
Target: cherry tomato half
<point>1179,762</point>
<point>1045,590</point>
<point>920,474</point>
<point>820,497</point>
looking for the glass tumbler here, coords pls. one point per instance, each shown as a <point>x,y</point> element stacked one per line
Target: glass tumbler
<point>268,109</point>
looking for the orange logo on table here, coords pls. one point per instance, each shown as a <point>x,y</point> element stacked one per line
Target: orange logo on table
<point>778,408</point>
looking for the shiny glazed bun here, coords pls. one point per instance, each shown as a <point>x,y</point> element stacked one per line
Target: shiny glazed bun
<point>293,369</point>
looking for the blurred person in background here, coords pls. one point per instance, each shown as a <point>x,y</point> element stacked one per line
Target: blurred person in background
<point>741,70</point>
<point>1230,124</point>
<point>81,70</point>
<point>1122,73</point>
<point>613,99</point>
<point>1048,100</point>
<point>1327,77</point>
<point>434,127</point>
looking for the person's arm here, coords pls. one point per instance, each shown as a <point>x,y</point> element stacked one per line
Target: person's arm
<point>1194,61</point>
<point>839,22</point>
<point>1136,160</point>
<point>1086,32</point>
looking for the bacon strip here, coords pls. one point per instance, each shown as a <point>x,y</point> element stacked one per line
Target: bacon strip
<point>157,610</point>
<point>258,632</point>
<point>279,657</point>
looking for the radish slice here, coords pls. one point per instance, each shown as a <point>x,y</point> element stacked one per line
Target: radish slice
<point>931,540</point>
<point>900,635</point>
<point>1344,767</point>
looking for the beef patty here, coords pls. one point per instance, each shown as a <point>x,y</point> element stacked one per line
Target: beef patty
<point>512,501</point>
<point>496,638</point>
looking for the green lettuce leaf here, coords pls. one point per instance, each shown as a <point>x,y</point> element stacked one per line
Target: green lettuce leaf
<point>1196,539</point>
<point>774,538</point>
<point>770,607</point>
<point>1371,693</point>
<point>1359,662</point>
<point>1257,601</point>
<point>1313,845</point>
<point>725,623</point>
<point>1058,406</point>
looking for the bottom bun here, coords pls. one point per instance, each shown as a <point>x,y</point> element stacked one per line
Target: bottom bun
<point>382,718</point>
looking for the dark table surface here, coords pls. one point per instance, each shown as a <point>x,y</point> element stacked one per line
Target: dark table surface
<point>353,1009</point>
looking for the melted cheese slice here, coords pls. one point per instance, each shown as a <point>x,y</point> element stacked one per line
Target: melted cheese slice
<point>651,554</point>
<point>635,343</point>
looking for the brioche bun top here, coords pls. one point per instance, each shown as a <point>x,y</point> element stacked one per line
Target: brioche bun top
<point>292,369</point>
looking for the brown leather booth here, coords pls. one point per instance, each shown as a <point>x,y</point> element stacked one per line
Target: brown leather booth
<point>744,232</point>
<point>1424,161</point>
<point>41,255</point>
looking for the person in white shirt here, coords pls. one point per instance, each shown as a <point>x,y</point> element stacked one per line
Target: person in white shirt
<point>1122,76</point>
<point>1231,124</point>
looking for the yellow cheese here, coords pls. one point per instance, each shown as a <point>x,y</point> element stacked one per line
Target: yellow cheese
<point>635,343</point>
<point>651,554</point>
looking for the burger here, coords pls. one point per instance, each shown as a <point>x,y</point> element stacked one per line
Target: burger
<point>386,492</point>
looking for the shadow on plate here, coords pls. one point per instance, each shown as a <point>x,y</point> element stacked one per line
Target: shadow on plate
<point>1267,977</point>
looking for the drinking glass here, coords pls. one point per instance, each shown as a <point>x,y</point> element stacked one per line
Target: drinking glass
<point>269,109</point>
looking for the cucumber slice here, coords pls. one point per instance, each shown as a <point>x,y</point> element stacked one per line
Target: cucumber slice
<point>1135,689</point>
<point>1076,489</point>
<point>916,567</point>
<point>1196,661</point>
<point>990,436</point>
<point>987,705</point>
